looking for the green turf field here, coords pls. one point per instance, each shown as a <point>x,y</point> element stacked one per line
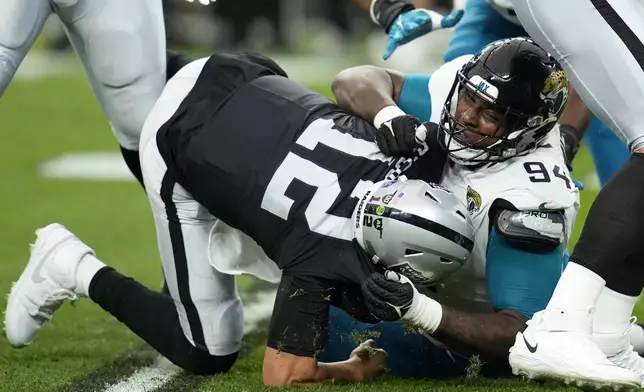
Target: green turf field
<point>84,349</point>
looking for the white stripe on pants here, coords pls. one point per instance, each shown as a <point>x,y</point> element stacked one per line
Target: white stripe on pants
<point>598,63</point>
<point>209,307</point>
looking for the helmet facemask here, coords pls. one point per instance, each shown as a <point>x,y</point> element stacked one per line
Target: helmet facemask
<point>518,132</point>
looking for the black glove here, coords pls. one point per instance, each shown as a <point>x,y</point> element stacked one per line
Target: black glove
<point>384,12</point>
<point>389,297</point>
<point>397,137</point>
<point>569,143</point>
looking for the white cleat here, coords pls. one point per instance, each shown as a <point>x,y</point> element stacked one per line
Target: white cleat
<point>545,350</point>
<point>47,281</point>
<point>618,349</point>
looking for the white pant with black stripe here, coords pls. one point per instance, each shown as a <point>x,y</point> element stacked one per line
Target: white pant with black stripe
<point>600,45</point>
<point>209,307</point>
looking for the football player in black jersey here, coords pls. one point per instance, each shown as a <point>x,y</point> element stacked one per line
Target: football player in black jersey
<point>232,142</point>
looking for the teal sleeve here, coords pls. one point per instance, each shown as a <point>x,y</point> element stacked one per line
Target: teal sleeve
<point>520,280</point>
<point>414,97</point>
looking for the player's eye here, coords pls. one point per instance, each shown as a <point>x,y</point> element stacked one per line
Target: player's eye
<point>493,116</point>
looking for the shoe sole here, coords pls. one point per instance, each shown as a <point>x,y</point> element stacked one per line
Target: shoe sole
<point>26,275</point>
<point>577,380</point>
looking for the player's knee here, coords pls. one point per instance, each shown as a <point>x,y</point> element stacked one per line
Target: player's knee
<point>128,80</point>
<point>8,67</point>
<point>120,59</point>
<point>202,363</point>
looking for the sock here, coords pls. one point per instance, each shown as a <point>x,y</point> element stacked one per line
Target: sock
<point>612,312</point>
<point>87,269</point>
<point>131,158</point>
<point>174,62</point>
<point>611,240</point>
<point>578,289</point>
<point>154,318</point>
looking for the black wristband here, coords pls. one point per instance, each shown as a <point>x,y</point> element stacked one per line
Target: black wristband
<point>571,135</point>
<point>384,12</point>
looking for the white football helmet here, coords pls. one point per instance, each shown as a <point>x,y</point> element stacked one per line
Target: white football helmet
<point>418,229</point>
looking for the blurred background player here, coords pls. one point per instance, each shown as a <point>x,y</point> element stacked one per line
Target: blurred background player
<point>121,45</point>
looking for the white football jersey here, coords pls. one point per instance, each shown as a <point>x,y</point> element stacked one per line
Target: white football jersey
<point>536,181</point>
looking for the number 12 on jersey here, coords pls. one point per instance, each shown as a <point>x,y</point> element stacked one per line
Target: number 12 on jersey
<point>328,188</point>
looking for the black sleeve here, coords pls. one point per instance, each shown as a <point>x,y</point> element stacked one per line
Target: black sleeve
<point>301,315</point>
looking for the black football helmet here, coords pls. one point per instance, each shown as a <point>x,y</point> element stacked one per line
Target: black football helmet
<point>522,81</point>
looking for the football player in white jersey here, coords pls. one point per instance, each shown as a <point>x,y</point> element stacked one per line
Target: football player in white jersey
<point>496,113</point>
<point>582,335</point>
<point>121,44</point>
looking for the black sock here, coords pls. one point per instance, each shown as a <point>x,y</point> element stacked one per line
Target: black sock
<point>612,240</point>
<point>153,317</point>
<point>174,62</point>
<point>132,161</point>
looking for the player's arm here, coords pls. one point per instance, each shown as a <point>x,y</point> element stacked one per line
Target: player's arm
<point>297,333</point>
<point>366,90</point>
<point>525,257</point>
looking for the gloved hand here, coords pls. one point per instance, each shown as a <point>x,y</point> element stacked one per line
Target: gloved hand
<point>399,136</point>
<point>388,296</point>
<point>392,296</point>
<point>410,25</point>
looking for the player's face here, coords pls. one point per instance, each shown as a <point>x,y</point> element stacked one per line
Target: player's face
<point>474,112</point>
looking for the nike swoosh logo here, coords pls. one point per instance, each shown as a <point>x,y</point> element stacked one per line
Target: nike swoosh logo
<point>542,206</point>
<point>531,348</point>
<point>36,276</point>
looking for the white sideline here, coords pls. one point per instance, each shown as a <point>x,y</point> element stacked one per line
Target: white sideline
<point>149,378</point>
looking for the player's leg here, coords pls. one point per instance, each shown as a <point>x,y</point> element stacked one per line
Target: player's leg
<point>198,327</point>
<point>605,269</point>
<point>21,21</point>
<point>480,25</point>
<point>62,267</point>
<point>122,47</point>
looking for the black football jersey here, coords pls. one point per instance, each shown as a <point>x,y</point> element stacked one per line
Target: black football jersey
<point>281,163</point>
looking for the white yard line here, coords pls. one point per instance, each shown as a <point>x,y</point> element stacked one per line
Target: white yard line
<point>149,378</point>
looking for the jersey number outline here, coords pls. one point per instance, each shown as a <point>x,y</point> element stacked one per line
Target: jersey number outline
<point>539,173</point>
<point>328,188</point>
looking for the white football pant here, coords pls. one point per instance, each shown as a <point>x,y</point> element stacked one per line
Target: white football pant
<point>209,307</point>
<point>121,44</point>
<point>600,45</point>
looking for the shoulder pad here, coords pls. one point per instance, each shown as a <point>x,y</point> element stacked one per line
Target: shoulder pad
<point>533,231</point>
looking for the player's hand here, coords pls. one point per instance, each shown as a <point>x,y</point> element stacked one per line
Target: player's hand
<point>388,296</point>
<point>400,136</point>
<point>392,296</point>
<point>367,360</point>
<point>415,23</point>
